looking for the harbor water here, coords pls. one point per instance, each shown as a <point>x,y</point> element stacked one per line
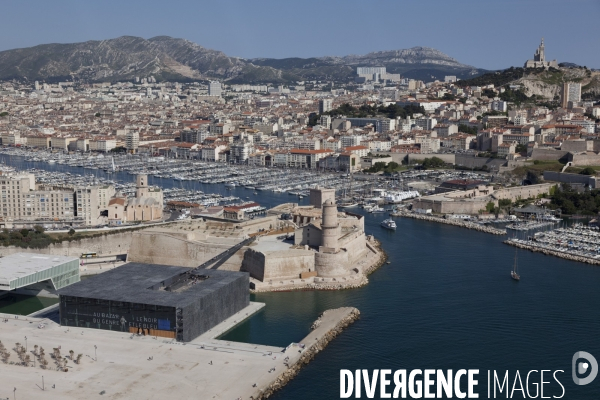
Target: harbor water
<point>445,301</point>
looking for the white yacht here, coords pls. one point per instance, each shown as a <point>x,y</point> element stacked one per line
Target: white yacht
<point>389,224</point>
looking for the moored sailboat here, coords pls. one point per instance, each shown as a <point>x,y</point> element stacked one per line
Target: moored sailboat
<point>514,273</point>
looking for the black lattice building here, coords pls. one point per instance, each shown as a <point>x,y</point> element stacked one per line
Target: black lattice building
<point>157,300</point>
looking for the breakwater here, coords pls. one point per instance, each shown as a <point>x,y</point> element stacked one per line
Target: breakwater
<point>326,328</point>
<point>460,223</point>
<point>561,254</point>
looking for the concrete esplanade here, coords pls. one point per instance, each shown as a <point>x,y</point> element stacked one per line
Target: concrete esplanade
<point>330,226</point>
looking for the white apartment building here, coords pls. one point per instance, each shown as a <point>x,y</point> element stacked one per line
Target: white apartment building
<point>39,141</point>
<point>445,130</point>
<point>214,88</point>
<point>332,144</point>
<point>21,201</point>
<point>499,105</point>
<point>83,145</point>
<point>380,145</point>
<point>211,153</point>
<point>105,193</point>
<point>350,140</point>
<point>240,151</point>
<point>63,143</point>
<point>308,144</point>
<point>325,105</point>
<point>87,206</point>
<point>132,142</point>
<point>428,144</point>
<point>103,145</point>
<point>426,123</point>
<point>325,121</point>
<point>13,138</point>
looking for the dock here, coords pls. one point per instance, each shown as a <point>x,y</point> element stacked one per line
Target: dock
<point>453,222</point>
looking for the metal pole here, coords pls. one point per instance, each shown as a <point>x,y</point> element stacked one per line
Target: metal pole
<point>95,354</point>
<point>43,387</point>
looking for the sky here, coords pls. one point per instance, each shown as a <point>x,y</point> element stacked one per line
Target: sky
<point>483,33</point>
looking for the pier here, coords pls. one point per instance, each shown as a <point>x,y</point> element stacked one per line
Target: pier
<point>578,243</point>
<point>454,222</point>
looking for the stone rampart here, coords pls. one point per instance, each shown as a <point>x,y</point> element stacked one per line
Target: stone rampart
<point>163,248</point>
<point>278,265</point>
<point>105,245</point>
<point>523,192</point>
<point>548,154</point>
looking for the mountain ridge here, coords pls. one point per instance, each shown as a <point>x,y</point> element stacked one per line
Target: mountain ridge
<point>176,59</point>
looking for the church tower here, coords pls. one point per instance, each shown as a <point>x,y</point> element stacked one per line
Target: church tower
<point>539,54</point>
<point>141,186</point>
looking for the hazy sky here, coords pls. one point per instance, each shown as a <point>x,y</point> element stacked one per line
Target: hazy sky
<point>484,33</point>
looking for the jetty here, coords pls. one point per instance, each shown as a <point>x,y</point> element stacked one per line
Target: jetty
<point>454,222</point>
<point>577,243</point>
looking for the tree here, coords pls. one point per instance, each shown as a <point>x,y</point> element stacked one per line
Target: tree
<point>39,229</point>
<point>521,148</point>
<point>489,207</point>
<point>467,129</point>
<point>16,236</point>
<point>503,203</point>
<point>433,162</point>
<point>588,171</point>
<point>71,232</point>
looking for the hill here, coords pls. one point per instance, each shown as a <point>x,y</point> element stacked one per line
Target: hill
<point>173,59</point>
<point>545,83</point>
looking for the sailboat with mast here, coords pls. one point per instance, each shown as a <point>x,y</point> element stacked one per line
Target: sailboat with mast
<point>514,274</point>
<point>348,201</point>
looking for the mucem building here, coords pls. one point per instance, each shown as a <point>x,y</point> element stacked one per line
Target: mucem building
<point>157,300</point>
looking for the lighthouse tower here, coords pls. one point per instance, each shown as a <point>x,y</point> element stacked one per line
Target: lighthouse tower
<point>330,226</point>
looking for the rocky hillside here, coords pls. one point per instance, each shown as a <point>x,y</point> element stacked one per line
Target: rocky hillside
<point>422,63</point>
<point>122,58</point>
<point>548,83</point>
<point>170,59</point>
<point>540,82</point>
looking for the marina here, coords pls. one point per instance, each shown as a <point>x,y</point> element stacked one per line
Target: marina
<point>207,183</point>
<point>531,225</point>
<point>578,242</point>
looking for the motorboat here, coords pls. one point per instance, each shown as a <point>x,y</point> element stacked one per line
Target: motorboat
<point>389,224</point>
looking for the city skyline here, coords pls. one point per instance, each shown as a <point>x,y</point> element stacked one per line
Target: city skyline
<point>275,30</point>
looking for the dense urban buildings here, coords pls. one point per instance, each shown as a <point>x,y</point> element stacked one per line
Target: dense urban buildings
<point>25,203</point>
<point>310,124</point>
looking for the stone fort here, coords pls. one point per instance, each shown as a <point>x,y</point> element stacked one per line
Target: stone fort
<point>328,246</point>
